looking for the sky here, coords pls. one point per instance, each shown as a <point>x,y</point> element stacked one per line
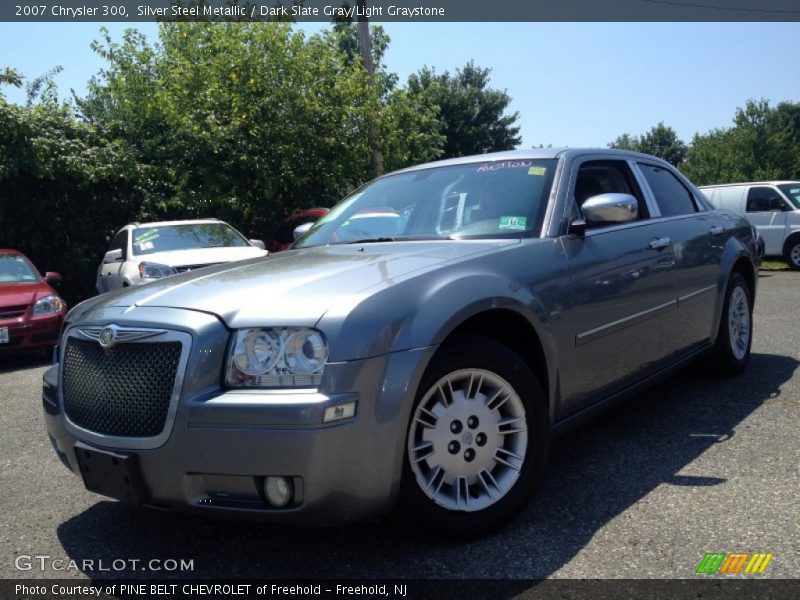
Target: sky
<point>573,84</point>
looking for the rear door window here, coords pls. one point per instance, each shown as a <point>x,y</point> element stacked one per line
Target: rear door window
<point>673,198</point>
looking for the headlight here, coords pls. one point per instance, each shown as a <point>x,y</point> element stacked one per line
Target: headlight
<point>149,270</point>
<point>276,357</point>
<point>48,305</point>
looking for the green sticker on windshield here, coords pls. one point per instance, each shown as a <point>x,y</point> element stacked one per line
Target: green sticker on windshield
<point>513,223</point>
<point>537,171</point>
<point>147,235</point>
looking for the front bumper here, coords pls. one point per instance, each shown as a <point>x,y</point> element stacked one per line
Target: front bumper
<point>31,333</point>
<point>222,443</point>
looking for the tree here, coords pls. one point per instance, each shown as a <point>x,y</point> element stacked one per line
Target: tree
<point>762,144</point>
<point>471,114</point>
<point>661,141</point>
<point>241,121</point>
<point>62,184</point>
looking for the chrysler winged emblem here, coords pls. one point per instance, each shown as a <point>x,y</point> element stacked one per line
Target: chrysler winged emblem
<point>107,337</point>
<point>112,335</point>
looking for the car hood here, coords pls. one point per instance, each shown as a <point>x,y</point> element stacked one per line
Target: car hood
<point>297,287</point>
<point>18,294</point>
<point>201,256</point>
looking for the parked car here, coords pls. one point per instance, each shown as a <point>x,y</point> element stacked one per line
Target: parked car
<point>773,207</point>
<point>282,239</point>
<point>143,252</point>
<point>525,292</point>
<point>31,311</point>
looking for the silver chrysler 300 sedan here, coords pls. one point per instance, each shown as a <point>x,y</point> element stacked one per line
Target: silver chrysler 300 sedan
<point>420,344</point>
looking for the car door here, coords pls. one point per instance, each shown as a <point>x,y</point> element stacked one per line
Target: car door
<point>767,211</point>
<point>623,291</point>
<point>110,278</point>
<point>698,238</point>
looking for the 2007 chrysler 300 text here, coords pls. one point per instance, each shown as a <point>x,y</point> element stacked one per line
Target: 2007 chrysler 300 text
<point>421,342</point>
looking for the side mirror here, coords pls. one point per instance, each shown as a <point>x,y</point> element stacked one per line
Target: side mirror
<point>607,209</point>
<point>301,230</point>
<point>113,256</point>
<point>258,244</point>
<point>52,278</point>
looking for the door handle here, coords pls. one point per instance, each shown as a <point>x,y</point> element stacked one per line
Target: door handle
<point>660,243</point>
<point>715,230</point>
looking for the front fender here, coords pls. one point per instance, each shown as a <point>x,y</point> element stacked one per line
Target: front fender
<point>739,246</point>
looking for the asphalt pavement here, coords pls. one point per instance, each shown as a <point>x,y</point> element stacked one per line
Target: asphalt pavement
<point>698,464</point>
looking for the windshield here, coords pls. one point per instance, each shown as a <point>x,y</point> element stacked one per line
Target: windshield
<point>16,269</point>
<point>792,191</point>
<point>149,240</point>
<point>477,200</point>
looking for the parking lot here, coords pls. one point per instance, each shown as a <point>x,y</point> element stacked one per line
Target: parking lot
<point>698,464</point>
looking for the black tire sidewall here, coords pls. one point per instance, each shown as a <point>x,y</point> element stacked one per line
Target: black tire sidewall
<point>727,360</point>
<point>481,353</point>
<point>788,256</point>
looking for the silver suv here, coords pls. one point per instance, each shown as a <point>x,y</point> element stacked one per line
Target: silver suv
<point>773,207</point>
<point>421,343</point>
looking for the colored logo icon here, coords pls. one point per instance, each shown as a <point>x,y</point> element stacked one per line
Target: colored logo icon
<point>720,563</point>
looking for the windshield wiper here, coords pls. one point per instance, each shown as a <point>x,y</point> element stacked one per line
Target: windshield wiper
<point>376,240</point>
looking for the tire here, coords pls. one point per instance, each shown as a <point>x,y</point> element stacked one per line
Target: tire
<point>461,423</point>
<point>792,253</point>
<point>732,349</point>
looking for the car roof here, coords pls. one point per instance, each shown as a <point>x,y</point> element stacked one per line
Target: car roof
<point>528,153</point>
<point>10,251</point>
<point>775,182</point>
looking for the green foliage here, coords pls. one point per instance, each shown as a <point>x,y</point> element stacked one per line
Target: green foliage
<point>471,114</point>
<point>59,180</point>
<point>240,121</point>
<point>762,144</point>
<point>661,141</point>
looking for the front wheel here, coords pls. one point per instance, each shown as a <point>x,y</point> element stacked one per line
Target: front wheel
<point>477,442</point>
<point>793,254</point>
<point>732,348</point>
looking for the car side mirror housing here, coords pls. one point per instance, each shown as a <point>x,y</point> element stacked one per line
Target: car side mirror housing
<point>258,244</point>
<point>301,230</point>
<point>113,256</point>
<point>608,209</point>
<point>52,277</point>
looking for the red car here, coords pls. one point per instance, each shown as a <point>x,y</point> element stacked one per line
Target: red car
<point>283,238</point>
<point>31,311</point>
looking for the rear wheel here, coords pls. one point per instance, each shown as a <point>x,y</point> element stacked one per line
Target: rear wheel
<point>732,348</point>
<point>477,442</point>
<point>792,253</point>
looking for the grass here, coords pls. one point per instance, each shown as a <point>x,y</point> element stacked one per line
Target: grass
<point>774,265</point>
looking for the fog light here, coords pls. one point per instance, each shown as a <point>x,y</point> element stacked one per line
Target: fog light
<point>278,491</point>
<point>338,412</point>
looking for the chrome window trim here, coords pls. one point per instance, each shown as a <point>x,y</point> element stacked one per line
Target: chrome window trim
<point>649,196</point>
<point>551,212</point>
<point>121,442</point>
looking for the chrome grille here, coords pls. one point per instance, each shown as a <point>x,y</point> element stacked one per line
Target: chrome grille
<point>12,312</point>
<point>123,391</point>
